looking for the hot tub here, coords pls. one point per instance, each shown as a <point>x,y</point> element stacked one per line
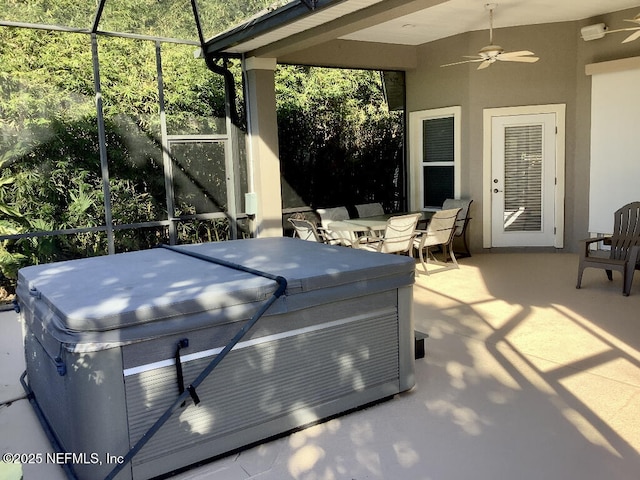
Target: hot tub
<point>112,342</point>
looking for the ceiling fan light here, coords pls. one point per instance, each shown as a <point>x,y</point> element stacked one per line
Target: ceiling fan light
<point>593,32</point>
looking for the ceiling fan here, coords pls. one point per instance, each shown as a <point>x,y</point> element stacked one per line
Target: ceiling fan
<point>491,53</point>
<point>636,30</point>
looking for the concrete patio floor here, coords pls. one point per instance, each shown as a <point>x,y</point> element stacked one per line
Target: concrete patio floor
<point>524,378</point>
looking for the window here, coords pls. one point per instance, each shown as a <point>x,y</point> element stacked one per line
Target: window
<point>435,157</point>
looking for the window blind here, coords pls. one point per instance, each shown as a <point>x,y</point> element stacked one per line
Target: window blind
<point>438,140</point>
<point>438,160</point>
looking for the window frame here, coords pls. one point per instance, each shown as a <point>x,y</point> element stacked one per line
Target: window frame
<point>417,163</point>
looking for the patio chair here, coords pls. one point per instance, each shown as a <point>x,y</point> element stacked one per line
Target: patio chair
<point>369,210</point>
<point>397,238</point>
<point>335,214</point>
<point>624,255</point>
<point>439,233</point>
<point>306,230</point>
<point>461,224</point>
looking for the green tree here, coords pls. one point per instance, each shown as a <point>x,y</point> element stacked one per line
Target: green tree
<point>338,142</point>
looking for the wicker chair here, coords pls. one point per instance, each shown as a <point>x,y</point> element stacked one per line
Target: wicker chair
<point>625,248</point>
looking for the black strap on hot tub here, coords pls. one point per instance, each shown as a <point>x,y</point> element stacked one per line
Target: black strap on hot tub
<point>190,391</point>
<point>183,343</point>
<point>282,282</point>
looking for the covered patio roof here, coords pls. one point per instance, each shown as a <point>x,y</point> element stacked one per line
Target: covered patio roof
<point>303,24</point>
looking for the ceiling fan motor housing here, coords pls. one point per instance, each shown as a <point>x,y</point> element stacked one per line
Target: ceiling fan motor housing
<point>491,51</point>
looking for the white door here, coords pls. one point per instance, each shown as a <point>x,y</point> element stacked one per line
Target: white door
<point>523,180</point>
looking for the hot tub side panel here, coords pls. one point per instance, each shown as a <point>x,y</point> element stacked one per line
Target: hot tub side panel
<point>406,337</point>
<point>296,369</point>
<point>85,407</point>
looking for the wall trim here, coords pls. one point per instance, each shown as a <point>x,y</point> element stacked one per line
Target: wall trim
<point>259,63</point>
<point>612,66</point>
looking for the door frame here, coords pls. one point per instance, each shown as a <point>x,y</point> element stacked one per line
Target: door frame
<point>488,114</point>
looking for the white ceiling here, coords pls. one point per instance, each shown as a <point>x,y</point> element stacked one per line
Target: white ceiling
<point>444,19</point>
<point>459,16</point>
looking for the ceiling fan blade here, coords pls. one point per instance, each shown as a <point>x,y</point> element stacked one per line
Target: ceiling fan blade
<point>486,63</point>
<point>527,59</point>
<point>618,30</point>
<point>475,59</point>
<point>521,53</point>
<point>632,37</point>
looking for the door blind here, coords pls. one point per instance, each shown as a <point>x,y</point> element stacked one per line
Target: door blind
<point>523,178</point>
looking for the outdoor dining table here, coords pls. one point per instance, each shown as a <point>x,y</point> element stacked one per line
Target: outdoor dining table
<point>361,225</point>
<point>367,225</point>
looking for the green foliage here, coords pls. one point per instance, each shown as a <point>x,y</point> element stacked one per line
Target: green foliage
<point>10,220</point>
<point>338,142</point>
<point>10,262</point>
<point>164,18</point>
<point>218,15</point>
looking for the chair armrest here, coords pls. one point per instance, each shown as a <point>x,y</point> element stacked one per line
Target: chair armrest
<point>593,240</point>
<point>634,256</point>
<point>422,236</point>
<point>367,239</point>
<point>321,230</point>
<point>583,249</point>
<point>334,237</point>
<point>325,234</point>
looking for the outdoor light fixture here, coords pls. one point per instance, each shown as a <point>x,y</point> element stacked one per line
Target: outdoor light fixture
<point>593,32</point>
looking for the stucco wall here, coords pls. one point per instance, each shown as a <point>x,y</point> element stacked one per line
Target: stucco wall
<point>558,78</point>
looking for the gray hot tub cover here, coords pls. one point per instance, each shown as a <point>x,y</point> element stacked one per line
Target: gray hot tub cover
<point>103,302</point>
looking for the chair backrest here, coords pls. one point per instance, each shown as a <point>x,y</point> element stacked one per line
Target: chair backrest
<point>369,210</point>
<point>328,215</point>
<point>463,204</point>
<point>626,230</point>
<point>399,233</point>
<point>305,230</point>
<point>442,226</point>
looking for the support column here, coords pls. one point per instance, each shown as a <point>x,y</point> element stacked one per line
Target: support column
<point>262,147</point>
